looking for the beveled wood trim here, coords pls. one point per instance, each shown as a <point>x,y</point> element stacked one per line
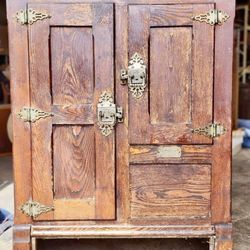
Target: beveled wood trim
<point>222,150</point>
<point>126,231</point>
<point>151,154</point>
<point>21,237</point>
<point>122,145</point>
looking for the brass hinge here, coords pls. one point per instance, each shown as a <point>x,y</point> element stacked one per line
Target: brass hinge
<point>34,208</point>
<point>212,130</point>
<point>212,17</point>
<point>28,114</point>
<point>29,16</point>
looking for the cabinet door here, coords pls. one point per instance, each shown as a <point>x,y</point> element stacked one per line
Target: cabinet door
<point>71,65</point>
<point>178,53</point>
<point>170,172</point>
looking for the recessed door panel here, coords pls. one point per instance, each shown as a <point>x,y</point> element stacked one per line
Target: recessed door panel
<point>178,54</point>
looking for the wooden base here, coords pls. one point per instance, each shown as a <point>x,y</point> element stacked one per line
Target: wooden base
<point>21,237</point>
<point>25,236</point>
<point>223,237</point>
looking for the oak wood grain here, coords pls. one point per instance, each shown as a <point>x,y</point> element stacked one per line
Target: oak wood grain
<point>81,35</point>
<point>222,150</point>
<point>73,114</point>
<point>72,65</point>
<point>74,168</point>
<point>20,96</point>
<point>152,154</point>
<point>170,99</point>
<point>117,231</point>
<point>165,191</point>
<point>41,132</point>
<point>103,29</point>
<point>153,125</point>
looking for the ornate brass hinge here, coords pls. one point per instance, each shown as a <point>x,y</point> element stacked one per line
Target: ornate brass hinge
<point>212,17</point>
<point>29,16</point>
<point>28,114</point>
<point>212,130</point>
<point>34,208</point>
<point>135,76</point>
<point>108,114</point>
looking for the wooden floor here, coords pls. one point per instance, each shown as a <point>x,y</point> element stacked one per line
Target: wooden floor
<point>241,210</point>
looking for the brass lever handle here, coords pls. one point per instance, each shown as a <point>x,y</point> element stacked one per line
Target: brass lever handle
<point>108,113</point>
<point>135,76</point>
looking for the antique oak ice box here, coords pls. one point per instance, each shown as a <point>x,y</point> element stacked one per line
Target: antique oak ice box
<point>122,119</point>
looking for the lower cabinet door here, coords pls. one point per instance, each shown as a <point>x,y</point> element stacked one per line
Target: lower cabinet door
<point>172,192</point>
<point>73,163</point>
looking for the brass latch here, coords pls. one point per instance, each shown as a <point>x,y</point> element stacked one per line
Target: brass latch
<point>212,17</point>
<point>212,130</point>
<point>34,208</point>
<point>108,114</point>
<point>28,114</point>
<point>29,16</point>
<point>135,76</point>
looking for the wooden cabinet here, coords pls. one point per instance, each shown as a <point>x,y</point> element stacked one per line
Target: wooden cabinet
<point>122,119</point>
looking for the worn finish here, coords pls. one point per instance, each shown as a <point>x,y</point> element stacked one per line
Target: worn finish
<point>170,191</point>
<point>151,170</point>
<point>66,162</point>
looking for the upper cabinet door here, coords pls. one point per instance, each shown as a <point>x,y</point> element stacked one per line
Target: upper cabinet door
<point>71,65</point>
<point>178,53</point>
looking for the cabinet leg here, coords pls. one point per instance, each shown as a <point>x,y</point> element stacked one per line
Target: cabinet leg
<point>223,239</point>
<point>21,237</point>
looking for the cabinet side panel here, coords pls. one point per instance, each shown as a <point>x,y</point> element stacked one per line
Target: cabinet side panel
<point>18,48</point>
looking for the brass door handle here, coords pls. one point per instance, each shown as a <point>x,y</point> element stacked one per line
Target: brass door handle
<point>136,76</point>
<point>108,113</point>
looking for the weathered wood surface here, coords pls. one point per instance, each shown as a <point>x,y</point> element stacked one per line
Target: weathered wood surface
<point>167,191</point>
<point>73,57</point>
<point>179,96</point>
<point>159,154</point>
<point>73,160</point>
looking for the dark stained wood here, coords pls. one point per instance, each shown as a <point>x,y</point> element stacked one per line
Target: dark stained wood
<point>19,98</point>
<point>175,15</point>
<point>170,100</point>
<point>77,171</point>
<point>167,191</point>
<point>221,150</point>
<point>103,29</point>
<point>184,73</point>
<point>66,162</point>
<point>203,71</point>
<point>122,159</point>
